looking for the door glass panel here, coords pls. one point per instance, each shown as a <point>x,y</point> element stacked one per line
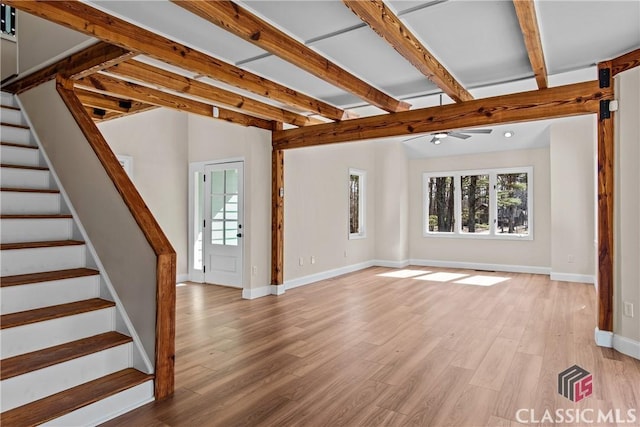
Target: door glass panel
<point>217,207</point>
<point>230,233</point>
<point>231,207</point>
<point>217,182</point>
<point>198,217</point>
<point>231,186</point>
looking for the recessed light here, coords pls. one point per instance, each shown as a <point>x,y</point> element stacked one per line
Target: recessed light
<point>437,141</point>
<point>509,134</point>
<point>440,135</point>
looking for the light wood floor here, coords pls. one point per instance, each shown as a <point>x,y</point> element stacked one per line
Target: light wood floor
<point>365,349</point>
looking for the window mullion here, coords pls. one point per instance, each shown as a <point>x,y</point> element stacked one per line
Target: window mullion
<point>457,203</point>
<point>493,202</point>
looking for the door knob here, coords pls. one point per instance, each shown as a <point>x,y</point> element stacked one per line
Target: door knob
<point>239,235</point>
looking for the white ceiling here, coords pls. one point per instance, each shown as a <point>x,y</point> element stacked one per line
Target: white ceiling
<point>478,41</point>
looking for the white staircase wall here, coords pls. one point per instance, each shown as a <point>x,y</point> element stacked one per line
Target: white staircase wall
<point>36,336</point>
<point>22,203</point>
<point>25,178</point>
<point>21,230</point>
<point>38,260</point>
<point>37,295</point>
<point>19,156</point>
<point>20,390</point>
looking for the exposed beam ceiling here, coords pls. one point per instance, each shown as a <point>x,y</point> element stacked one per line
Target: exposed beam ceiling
<point>128,90</point>
<point>526,11</point>
<point>148,73</point>
<point>87,61</point>
<point>83,18</point>
<point>242,23</point>
<point>579,98</point>
<point>388,26</point>
<point>625,62</point>
<point>108,115</point>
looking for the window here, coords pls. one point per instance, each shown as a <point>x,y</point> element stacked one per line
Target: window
<point>357,188</point>
<point>493,203</point>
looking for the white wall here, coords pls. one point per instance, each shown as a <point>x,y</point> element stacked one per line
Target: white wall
<point>317,208</point>
<point>211,140</point>
<point>521,253</point>
<point>627,207</point>
<point>41,42</point>
<point>392,203</point>
<point>573,202</point>
<point>157,141</point>
<point>9,59</point>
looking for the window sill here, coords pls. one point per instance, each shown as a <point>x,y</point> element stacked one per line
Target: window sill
<point>477,236</point>
<point>357,236</point>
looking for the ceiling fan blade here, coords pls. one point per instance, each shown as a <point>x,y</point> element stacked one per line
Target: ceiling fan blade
<point>459,135</point>
<point>476,130</point>
<point>415,137</point>
<point>435,140</point>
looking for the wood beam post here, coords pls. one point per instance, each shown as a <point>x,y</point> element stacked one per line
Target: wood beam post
<point>277,217</point>
<point>605,211</point>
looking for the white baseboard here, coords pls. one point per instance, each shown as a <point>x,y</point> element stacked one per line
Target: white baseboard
<point>182,278</point>
<point>253,293</point>
<point>480,266</point>
<point>622,344</point>
<point>277,289</point>
<point>568,277</point>
<point>391,264</point>
<point>324,275</point>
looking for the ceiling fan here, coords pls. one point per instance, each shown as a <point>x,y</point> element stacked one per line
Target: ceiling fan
<point>461,134</point>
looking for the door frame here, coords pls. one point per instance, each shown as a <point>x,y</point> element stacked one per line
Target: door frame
<point>196,275</point>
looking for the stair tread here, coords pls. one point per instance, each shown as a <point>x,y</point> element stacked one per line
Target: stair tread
<point>62,403</point>
<point>29,190</point>
<point>24,363</point>
<point>13,144</point>
<point>36,168</point>
<point>10,107</point>
<point>34,245</point>
<point>36,216</point>
<point>14,125</point>
<point>47,276</point>
<point>53,312</point>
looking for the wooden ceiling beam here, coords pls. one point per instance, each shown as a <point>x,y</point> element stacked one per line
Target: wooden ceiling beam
<point>87,61</point>
<point>526,11</point>
<point>562,101</point>
<point>625,62</point>
<point>237,20</point>
<point>112,86</point>
<point>108,115</point>
<point>87,20</point>
<point>157,76</point>
<point>388,26</point>
<point>107,102</point>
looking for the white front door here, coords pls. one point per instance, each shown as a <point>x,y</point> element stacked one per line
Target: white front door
<point>223,203</point>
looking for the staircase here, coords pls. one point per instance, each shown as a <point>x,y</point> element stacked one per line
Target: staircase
<point>62,362</point>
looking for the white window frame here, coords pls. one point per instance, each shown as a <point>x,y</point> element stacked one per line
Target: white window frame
<point>493,211</point>
<point>362,204</point>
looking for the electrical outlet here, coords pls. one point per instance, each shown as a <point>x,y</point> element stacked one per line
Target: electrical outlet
<point>628,309</point>
<point>313,259</point>
<point>300,261</point>
<point>571,259</point>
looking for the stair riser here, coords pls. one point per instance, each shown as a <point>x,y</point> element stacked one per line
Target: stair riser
<point>35,385</point>
<point>19,156</point>
<point>8,99</point>
<point>38,295</point>
<point>24,178</point>
<point>16,135</point>
<point>34,230</point>
<point>106,409</point>
<point>39,260</point>
<point>11,116</point>
<point>36,336</point>
<point>14,202</point>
